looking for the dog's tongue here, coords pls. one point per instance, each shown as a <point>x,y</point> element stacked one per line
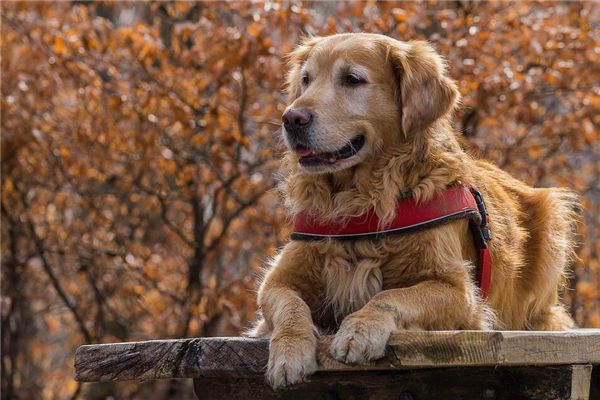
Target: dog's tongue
<point>304,151</point>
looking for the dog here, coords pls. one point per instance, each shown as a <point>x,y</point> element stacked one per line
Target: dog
<point>368,121</point>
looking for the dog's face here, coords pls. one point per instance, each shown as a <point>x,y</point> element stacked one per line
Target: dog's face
<point>352,95</point>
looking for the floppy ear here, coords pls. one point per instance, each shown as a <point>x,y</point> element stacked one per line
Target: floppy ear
<point>425,92</point>
<point>295,59</point>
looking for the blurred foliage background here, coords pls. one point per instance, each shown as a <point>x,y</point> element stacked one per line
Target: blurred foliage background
<point>140,146</point>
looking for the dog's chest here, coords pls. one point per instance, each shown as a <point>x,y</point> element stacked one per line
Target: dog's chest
<point>350,280</point>
<point>353,272</point>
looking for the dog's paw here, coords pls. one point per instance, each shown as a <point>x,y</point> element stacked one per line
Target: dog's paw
<point>359,340</point>
<point>291,360</point>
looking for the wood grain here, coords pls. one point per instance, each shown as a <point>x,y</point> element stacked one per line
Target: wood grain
<point>247,358</point>
<point>181,358</point>
<point>482,348</point>
<point>487,383</point>
<point>580,382</point>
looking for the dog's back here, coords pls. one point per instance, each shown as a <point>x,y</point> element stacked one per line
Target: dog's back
<point>538,225</point>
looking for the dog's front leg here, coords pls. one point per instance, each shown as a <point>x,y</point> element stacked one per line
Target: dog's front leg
<point>433,305</point>
<point>293,346</point>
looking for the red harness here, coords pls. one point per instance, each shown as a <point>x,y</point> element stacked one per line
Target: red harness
<point>455,202</point>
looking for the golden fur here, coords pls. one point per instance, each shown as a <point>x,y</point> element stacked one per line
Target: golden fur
<point>365,289</point>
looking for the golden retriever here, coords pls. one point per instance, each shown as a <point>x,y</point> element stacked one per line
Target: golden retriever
<point>369,119</point>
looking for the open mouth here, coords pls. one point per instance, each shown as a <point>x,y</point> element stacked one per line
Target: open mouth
<point>310,157</point>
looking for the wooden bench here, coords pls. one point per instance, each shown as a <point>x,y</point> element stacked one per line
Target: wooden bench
<point>490,365</point>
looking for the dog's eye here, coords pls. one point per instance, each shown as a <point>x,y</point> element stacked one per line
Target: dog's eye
<point>353,80</point>
<point>305,80</point>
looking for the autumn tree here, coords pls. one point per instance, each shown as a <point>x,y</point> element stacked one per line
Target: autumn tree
<point>140,146</point>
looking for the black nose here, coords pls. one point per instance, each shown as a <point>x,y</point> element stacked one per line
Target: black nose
<point>296,119</point>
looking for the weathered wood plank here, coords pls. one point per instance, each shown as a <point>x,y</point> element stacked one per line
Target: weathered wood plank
<point>580,382</point>
<point>480,348</point>
<point>181,358</point>
<point>487,383</point>
<point>247,358</point>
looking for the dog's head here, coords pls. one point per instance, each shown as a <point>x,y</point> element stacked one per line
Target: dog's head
<point>353,95</point>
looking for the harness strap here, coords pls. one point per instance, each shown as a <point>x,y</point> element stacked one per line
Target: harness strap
<point>482,235</point>
<point>455,202</point>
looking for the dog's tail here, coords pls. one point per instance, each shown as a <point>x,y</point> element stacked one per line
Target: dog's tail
<point>554,217</point>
